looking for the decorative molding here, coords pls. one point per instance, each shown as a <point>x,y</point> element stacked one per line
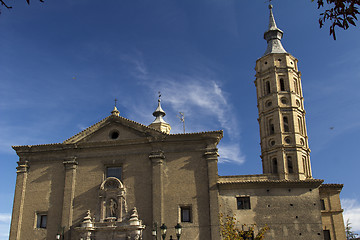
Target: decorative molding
<point>23,166</point>
<point>70,163</point>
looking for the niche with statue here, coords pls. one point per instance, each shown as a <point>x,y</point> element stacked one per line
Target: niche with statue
<point>114,221</point>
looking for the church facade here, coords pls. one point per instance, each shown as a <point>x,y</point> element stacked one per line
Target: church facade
<point>119,179</point>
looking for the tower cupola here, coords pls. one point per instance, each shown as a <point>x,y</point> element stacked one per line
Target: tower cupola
<point>273,36</point>
<point>159,123</point>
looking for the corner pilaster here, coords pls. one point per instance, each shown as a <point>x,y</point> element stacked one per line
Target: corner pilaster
<point>18,207</point>
<point>211,155</point>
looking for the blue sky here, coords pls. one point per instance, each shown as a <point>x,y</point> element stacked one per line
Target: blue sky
<point>62,63</point>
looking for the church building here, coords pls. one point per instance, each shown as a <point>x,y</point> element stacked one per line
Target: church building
<point>121,180</point>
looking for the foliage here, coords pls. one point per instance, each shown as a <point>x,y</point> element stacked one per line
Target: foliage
<point>341,13</point>
<point>6,5</point>
<point>229,230</point>
<point>349,234</point>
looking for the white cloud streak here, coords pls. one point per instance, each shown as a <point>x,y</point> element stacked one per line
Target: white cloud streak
<point>352,212</point>
<point>199,95</point>
<point>230,153</point>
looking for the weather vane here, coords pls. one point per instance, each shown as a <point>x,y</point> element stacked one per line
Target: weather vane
<point>182,119</point>
<point>159,95</point>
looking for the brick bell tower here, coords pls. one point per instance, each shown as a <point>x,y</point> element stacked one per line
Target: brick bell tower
<point>284,143</point>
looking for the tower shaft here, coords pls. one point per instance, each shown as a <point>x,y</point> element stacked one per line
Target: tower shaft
<point>283,138</point>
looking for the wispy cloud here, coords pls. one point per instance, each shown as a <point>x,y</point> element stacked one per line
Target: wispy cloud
<point>199,95</point>
<point>352,212</point>
<point>230,153</point>
<point>137,61</point>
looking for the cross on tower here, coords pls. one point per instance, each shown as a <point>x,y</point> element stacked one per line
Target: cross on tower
<point>115,100</point>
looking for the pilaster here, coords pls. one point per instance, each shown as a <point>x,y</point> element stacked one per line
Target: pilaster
<point>211,155</point>
<point>70,165</point>
<point>157,160</point>
<point>18,207</point>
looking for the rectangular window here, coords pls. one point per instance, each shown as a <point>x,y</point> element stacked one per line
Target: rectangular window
<point>41,220</point>
<point>243,203</point>
<point>327,235</point>
<point>322,204</point>
<point>186,214</point>
<point>114,172</point>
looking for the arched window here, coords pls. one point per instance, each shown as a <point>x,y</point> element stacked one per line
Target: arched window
<point>267,87</point>
<point>274,165</point>
<point>300,125</point>
<point>286,124</point>
<point>290,165</point>
<point>282,85</point>
<point>271,127</point>
<point>296,86</point>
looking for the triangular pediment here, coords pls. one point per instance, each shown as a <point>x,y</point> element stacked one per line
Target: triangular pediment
<point>113,128</point>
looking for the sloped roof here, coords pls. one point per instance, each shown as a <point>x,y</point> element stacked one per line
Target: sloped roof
<point>113,118</point>
<point>132,124</point>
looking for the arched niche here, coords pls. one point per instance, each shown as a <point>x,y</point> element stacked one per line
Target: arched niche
<point>112,200</point>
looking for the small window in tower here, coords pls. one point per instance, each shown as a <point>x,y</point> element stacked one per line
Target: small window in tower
<point>114,172</point>
<point>326,234</point>
<point>275,165</point>
<point>267,86</point>
<point>41,220</point>
<point>282,85</point>
<point>301,130</point>
<point>271,127</point>
<point>305,165</point>
<point>296,86</point>
<point>286,124</point>
<point>243,203</point>
<point>290,165</point>
<point>185,214</point>
<point>268,104</point>
<point>322,204</point>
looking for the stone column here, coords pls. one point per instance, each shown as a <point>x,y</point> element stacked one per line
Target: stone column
<point>157,159</point>
<point>211,155</point>
<point>102,197</point>
<point>21,179</point>
<point>70,165</point>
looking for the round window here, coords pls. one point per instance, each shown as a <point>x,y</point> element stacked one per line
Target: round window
<point>268,104</point>
<point>114,134</point>
<point>298,103</point>
<point>302,142</point>
<point>272,142</point>
<point>287,140</point>
<point>283,100</point>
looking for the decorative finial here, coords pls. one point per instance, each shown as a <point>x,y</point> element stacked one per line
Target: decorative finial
<point>159,113</point>
<point>115,112</point>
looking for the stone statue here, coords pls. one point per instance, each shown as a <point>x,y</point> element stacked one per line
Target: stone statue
<point>112,208</point>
